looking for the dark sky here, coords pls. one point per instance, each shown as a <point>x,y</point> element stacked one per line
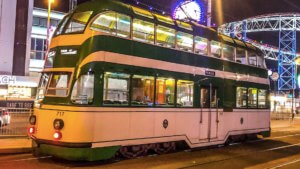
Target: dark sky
<point>233,10</point>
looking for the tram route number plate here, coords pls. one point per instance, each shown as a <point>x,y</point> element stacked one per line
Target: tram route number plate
<point>210,73</point>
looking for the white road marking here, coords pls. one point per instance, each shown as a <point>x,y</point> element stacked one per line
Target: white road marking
<point>28,159</point>
<point>285,164</point>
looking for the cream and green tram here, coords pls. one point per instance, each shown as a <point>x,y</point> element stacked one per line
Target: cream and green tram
<point>121,79</point>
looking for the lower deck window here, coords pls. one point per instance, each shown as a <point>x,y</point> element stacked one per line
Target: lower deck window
<point>165,92</point>
<point>83,90</point>
<point>241,97</point>
<point>116,89</point>
<point>185,93</point>
<point>142,91</point>
<point>252,98</point>
<point>262,99</point>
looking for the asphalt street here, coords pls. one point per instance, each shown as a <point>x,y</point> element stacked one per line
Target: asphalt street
<point>281,150</point>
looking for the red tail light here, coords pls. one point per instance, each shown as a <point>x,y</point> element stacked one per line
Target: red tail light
<point>57,135</point>
<point>5,113</point>
<point>31,130</point>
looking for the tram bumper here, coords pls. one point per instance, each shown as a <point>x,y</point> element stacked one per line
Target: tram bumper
<point>73,151</point>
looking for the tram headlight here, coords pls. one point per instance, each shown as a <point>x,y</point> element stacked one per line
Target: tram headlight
<point>32,120</point>
<point>58,124</point>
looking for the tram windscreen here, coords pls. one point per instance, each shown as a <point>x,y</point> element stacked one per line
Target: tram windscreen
<point>42,86</point>
<point>59,84</point>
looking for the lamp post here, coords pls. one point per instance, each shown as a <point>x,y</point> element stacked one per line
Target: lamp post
<point>48,26</point>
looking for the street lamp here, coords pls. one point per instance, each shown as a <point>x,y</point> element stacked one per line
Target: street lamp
<point>48,26</point>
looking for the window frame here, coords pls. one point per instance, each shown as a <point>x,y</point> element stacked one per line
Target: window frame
<point>70,20</point>
<point>60,70</point>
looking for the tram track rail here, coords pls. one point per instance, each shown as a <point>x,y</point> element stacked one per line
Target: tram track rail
<point>254,152</point>
<point>30,158</point>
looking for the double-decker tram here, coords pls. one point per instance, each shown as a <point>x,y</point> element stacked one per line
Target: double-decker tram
<point>121,79</point>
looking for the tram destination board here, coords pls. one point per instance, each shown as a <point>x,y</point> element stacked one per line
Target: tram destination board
<point>210,73</point>
<point>16,104</point>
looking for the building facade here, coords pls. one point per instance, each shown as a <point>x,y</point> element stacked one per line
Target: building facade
<point>23,35</point>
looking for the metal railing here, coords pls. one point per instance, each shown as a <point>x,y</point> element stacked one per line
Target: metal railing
<point>17,123</point>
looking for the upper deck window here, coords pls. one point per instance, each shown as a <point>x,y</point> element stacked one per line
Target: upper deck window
<point>60,29</point>
<point>112,23</point>
<point>142,12</point>
<point>78,22</point>
<point>58,85</point>
<point>261,61</point>
<point>165,36</point>
<point>252,58</point>
<point>228,52</point>
<point>143,31</point>
<point>241,56</point>
<point>185,41</point>
<point>184,25</point>
<point>165,19</point>
<point>215,49</point>
<point>201,45</point>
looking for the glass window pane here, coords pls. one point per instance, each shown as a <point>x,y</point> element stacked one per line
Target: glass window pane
<point>165,92</point>
<point>215,49</point>
<point>59,84</point>
<point>116,89</point>
<point>32,43</point>
<point>36,21</point>
<point>106,22</point>
<point>42,86</point>
<point>261,61</point>
<point>63,23</point>
<point>241,56</point>
<point>142,91</point>
<point>123,25</point>
<point>241,97</point>
<point>78,22</point>
<point>143,31</point>
<point>201,45</point>
<point>83,90</point>
<point>43,22</point>
<point>262,98</point>
<point>185,41</point>
<point>252,98</point>
<point>252,57</point>
<point>165,36</point>
<point>39,45</point>
<point>185,93</point>
<point>228,52</point>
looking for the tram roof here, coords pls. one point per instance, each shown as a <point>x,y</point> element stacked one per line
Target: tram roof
<point>98,6</point>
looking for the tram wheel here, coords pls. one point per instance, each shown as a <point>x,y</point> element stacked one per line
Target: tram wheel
<point>162,148</point>
<point>133,151</point>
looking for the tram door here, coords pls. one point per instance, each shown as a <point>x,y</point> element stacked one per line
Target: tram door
<point>209,114</point>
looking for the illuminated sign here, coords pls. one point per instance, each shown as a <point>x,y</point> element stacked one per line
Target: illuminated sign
<point>189,9</point>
